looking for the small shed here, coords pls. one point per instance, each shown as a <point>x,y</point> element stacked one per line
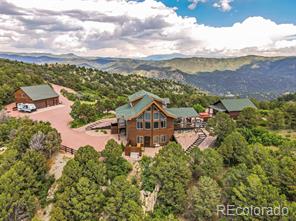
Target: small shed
<point>40,95</point>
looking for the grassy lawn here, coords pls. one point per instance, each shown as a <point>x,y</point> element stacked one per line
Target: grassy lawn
<point>287,133</point>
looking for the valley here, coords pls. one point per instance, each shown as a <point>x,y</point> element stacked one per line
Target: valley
<point>248,76</point>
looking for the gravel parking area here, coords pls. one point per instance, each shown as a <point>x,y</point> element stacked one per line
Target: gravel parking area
<point>59,117</point>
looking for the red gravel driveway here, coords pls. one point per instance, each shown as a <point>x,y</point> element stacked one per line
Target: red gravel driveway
<point>60,118</point>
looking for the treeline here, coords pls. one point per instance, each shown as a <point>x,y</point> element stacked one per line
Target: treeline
<point>24,180</point>
<point>249,166</point>
<point>14,75</point>
<point>97,91</point>
<point>280,113</point>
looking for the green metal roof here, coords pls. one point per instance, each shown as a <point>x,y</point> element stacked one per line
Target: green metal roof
<point>39,92</point>
<point>127,111</point>
<point>141,94</point>
<point>183,112</point>
<point>234,104</point>
<point>219,107</point>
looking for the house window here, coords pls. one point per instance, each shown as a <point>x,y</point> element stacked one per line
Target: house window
<point>163,123</point>
<point>147,115</point>
<point>139,125</point>
<point>140,122</point>
<point>156,125</point>
<point>155,139</point>
<point>140,139</point>
<point>163,138</point>
<point>156,116</point>
<point>147,125</point>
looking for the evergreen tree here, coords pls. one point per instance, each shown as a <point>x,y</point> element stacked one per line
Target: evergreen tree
<point>123,201</point>
<point>276,119</point>
<point>248,117</point>
<point>222,125</point>
<point>206,163</point>
<point>84,201</point>
<point>116,165</point>
<point>203,200</point>
<point>171,170</point>
<point>234,149</point>
<point>257,191</point>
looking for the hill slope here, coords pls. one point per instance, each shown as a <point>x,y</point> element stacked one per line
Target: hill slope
<point>241,76</point>
<point>92,84</point>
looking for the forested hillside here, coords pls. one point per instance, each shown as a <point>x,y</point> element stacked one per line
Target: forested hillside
<point>24,178</point>
<point>248,76</point>
<point>92,84</point>
<point>253,161</point>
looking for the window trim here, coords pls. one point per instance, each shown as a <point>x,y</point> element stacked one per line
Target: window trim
<point>158,139</point>
<point>163,138</point>
<point>140,137</point>
<point>139,128</point>
<point>149,124</point>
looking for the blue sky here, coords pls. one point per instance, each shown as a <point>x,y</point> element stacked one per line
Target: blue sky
<point>280,11</point>
<point>139,28</point>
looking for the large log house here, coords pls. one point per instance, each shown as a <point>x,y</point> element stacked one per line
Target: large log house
<point>146,120</point>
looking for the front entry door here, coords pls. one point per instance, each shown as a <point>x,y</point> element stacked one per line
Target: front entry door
<point>146,141</point>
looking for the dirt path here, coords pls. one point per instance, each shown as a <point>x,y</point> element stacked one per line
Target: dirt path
<point>56,165</point>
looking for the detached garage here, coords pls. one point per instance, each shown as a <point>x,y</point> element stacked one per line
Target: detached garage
<point>40,95</point>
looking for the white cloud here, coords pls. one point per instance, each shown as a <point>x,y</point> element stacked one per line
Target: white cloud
<point>132,29</point>
<point>194,3</point>
<point>224,5</point>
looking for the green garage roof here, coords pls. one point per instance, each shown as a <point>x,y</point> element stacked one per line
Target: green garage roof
<point>183,112</point>
<point>233,104</point>
<point>39,92</point>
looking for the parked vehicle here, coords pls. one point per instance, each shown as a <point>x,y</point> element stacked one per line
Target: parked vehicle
<point>26,107</point>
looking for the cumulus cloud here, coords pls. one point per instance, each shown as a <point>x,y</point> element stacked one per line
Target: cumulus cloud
<point>224,5</point>
<point>125,28</point>
<point>193,3</point>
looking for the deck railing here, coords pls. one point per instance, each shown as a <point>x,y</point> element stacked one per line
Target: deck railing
<point>68,149</point>
<point>129,148</point>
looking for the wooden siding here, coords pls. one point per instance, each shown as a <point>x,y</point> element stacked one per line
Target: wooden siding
<point>22,97</point>
<point>133,132</point>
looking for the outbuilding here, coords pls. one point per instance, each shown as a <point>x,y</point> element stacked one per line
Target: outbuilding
<point>231,106</point>
<point>40,95</point>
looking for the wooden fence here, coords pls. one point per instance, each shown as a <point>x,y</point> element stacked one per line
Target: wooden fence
<point>68,149</point>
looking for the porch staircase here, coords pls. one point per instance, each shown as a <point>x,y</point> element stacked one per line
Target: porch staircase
<point>201,137</point>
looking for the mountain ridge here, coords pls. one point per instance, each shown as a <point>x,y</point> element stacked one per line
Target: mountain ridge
<point>244,76</point>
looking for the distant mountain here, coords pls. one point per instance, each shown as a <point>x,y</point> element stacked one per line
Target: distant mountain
<point>263,80</point>
<point>253,76</point>
<point>161,57</point>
